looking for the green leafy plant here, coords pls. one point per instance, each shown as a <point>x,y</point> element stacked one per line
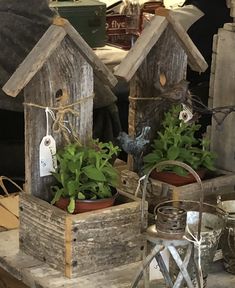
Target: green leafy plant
<point>177,141</point>
<point>85,172</point>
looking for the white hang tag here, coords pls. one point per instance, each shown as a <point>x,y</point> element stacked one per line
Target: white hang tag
<point>47,156</point>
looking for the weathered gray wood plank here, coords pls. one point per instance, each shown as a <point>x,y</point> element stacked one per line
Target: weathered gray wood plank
<point>140,50</point>
<point>85,243</point>
<point>110,240</point>
<point>195,58</point>
<point>38,274</point>
<point>223,91</point>
<point>48,225</point>
<point>158,191</point>
<point>100,69</point>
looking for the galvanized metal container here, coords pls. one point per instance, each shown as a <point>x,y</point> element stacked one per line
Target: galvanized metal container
<point>87,16</point>
<point>212,224</point>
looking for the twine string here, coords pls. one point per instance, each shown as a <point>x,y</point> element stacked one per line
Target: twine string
<point>58,115</point>
<point>52,114</point>
<point>197,243</point>
<point>138,186</point>
<point>4,187</point>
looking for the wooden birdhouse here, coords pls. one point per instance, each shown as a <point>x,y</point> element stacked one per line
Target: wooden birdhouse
<point>156,68</point>
<point>58,81</point>
<point>58,74</point>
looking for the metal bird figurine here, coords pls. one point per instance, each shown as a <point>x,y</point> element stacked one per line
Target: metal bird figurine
<point>136,146</point>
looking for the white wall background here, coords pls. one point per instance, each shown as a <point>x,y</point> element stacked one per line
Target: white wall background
<point>173,3</point>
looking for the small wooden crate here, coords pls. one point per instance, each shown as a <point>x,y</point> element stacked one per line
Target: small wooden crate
<point>84,243</point>
<point>222,183</point>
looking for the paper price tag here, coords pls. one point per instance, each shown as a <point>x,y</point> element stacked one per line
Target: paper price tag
<point>47,156</point>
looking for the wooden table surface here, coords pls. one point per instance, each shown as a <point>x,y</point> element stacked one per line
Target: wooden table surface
<point>35,273</point>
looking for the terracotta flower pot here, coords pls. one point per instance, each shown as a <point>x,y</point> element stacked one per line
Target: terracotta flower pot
<point>86,205</point>
<point>175,179</point>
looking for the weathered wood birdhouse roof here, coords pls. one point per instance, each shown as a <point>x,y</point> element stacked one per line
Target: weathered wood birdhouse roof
<point>45,47</point>
<point>149,38</point>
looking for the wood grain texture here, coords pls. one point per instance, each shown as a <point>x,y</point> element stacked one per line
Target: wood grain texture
<point>150,35</point>
<point>35,60</point>
<point>110,238</point>
<point>158,191</point>
<point>38,274</point>
<point>42,231</point>
<point>100,69</point>
<point>195,59</point>
<point>67,71</point>
<point>82,244</point>
<point>222,90</point>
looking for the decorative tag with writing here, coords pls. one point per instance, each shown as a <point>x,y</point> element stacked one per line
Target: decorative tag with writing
<point>47,156</point>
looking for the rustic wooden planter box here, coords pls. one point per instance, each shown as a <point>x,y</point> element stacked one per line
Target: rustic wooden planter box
<point>84,243</point>
<point>221,184</point>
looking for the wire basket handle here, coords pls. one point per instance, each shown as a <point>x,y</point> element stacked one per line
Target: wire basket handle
<point>4,187</point>
<point>191,171</point>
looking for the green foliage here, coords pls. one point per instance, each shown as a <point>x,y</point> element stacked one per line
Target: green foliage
<point>177,141</point>
<point>85,172</point>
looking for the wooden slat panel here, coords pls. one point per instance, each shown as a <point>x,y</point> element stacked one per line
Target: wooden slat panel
<point>108,239</point>
<point>158,191</point>
<point>101,71</point>
<point>42,231</point>
<point>84,243</point>
<point>222,136</point>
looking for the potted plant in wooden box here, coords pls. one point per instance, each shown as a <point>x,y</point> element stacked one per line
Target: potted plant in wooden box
<point>86,177</point>
<point>177,141</point>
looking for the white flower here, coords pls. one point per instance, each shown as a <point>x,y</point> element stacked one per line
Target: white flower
<point>186,114</point>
